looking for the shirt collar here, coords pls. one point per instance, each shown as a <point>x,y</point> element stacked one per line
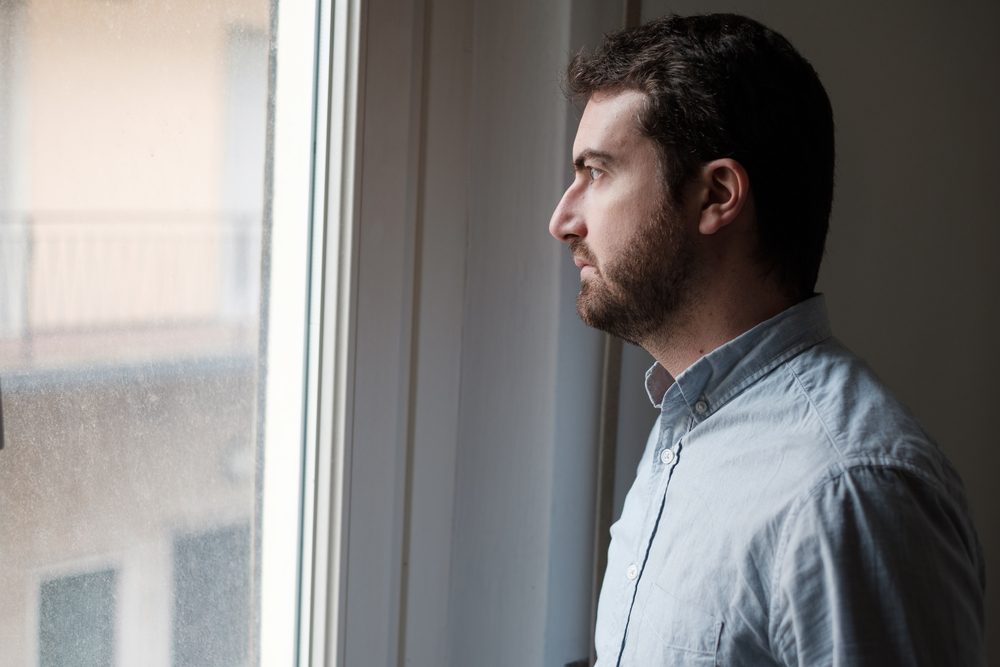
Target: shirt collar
<point>714,379</point>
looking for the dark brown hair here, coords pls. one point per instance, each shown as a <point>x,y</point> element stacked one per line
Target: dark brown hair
<point>723,85</point>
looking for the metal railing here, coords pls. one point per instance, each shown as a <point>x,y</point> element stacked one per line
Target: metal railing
<point>62,275</point>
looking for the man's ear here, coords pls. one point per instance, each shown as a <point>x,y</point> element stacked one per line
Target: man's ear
<point>726,190</point>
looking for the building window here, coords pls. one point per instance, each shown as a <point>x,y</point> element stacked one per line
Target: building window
<point>76,620</point>
<point>212,598</point>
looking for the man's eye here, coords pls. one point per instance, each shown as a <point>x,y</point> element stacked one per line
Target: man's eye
<point>594,173</point>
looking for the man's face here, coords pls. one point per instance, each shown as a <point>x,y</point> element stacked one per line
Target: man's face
<point>633,249</point>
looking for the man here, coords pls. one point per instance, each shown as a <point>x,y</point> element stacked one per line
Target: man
<point>787,510</point>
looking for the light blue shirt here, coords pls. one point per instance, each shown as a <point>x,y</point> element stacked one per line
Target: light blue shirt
<point>789,511</point>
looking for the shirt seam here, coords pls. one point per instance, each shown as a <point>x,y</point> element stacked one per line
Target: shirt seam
<point>819,415</point>
<point>763,370</point>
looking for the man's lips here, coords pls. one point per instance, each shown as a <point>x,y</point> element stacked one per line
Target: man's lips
<point>581,255</point>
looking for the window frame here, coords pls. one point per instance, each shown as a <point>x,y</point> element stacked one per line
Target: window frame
<point>311,224</point>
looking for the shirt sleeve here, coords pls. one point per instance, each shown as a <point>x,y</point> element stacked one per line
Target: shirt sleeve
<point>878,566</point>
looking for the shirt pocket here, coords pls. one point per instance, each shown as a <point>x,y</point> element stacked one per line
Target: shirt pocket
<point>672,631</point>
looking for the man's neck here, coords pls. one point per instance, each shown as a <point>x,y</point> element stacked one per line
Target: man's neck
<point>707,325</point>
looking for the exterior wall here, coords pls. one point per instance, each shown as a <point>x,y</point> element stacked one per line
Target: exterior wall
<point>107,469</point>
<point>128,93</point>
<point>120,121</point>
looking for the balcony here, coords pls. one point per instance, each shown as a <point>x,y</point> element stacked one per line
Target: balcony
<point>85,290</point>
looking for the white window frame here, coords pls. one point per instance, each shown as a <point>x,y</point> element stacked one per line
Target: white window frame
<point>309,330</point>
<point>348,352</point>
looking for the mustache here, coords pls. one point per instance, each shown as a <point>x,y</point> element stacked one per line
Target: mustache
<point>578,248</point>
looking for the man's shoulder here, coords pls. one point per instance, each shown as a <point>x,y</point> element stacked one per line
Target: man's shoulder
<point>823,412</point>
<point>860,415</point>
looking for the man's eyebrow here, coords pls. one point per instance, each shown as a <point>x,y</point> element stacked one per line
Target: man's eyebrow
<point>589,154</point>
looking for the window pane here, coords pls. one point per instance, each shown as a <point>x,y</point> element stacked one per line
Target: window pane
<point>76,621</point>
<point>211,605</point>
<point>132,171</point>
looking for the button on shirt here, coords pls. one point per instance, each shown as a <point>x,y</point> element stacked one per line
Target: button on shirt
<point>789,511</point>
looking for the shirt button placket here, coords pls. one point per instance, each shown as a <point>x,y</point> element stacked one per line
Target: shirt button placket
<point>667,456</point>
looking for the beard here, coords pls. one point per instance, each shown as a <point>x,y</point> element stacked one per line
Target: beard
<point>643,289</point>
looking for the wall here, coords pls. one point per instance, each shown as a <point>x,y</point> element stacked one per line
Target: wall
<point>161,108</point>
<point>498,457</point>
<point>520,590</point>
<point>80,120</point>
<point>107,468</point>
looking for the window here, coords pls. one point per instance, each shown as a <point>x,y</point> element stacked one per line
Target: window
<point>76,620</point>
<point>162,231</point>
<point>212,606</point>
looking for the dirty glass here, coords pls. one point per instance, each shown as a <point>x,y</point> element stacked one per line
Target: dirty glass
<point>76,620</point>
<point>132,174</point>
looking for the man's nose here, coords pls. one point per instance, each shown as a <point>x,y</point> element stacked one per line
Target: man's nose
<point>566,222</point>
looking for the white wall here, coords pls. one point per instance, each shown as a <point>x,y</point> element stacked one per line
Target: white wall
<point>521,554</point>
<point>472,477</point>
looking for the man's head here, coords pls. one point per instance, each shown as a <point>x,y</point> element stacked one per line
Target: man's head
<point>634,255</point>
<point>688,92</point>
